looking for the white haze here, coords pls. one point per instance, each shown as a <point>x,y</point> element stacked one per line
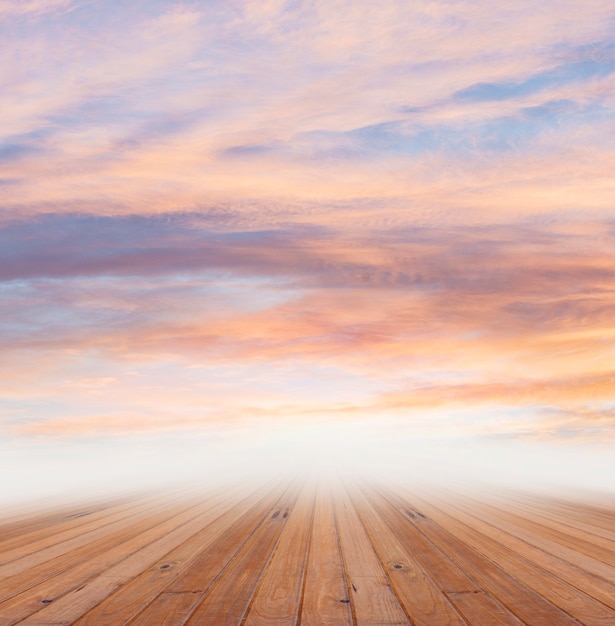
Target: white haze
<point>42,472</point>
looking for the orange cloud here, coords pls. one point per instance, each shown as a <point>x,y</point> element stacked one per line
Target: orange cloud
<point>333,208</point>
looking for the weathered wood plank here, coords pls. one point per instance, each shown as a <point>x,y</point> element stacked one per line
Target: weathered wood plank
<point>325,595</point>
<point>73,593</point>
<point>372,598</point>
<point>226,602</point>
<point>19,526</point>
<point>581,579</point>
<point>588,543</point>
<point>528,606</point>
<point>341,556</point>
<point>201,549</point>
<point>582,518</point>
<point>212,562</point>
<point>547,544</point>
<point>419,596</point>
<point>278,595</point>
<point>572,600</point>
<point>104,544</point>
<point>601,515</point>
<point>53,546</point>
<point>472,600</point>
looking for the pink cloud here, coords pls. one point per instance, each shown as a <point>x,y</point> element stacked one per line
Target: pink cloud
<point>416,199</point>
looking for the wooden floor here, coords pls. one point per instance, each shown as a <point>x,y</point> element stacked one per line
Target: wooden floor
<point>312,554</point>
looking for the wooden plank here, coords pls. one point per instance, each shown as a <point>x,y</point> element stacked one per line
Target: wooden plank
<point>581,579</point>
<point>472,601</point>
<point>73,593</point>
<point>227,601</point>
<point>168,609</point>
<point>372,598</point>
<point>325,595</point>
<point>200,550</point>
<point>528,606</point>
<point>104,542</point>
<point>572,600</point>
<point>26,523</point>
<point>601,515</point>
<point>569,554</point>
<point>31,552</point>
<point>582,518</point>
<point>557,529</point>
<point>422,600</point>
<point>366,556</point>
<point>278,595</point>
<point>222,580</point>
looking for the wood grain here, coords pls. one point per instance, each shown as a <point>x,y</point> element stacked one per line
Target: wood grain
<point>528,606</point>
<point>549,584</point>
<point>417,592</point>
<point>325,553</point>
<point>325,594</point>
<point>276,601</point>
<point>372,597</point>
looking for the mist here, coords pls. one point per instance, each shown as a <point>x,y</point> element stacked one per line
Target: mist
<point>43,473</point>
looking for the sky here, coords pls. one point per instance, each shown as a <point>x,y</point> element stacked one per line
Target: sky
<point>246,233</point>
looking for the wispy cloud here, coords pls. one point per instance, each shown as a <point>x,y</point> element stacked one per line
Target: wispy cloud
<point>425,318</point>
<point>149,112</point>
<point>13,8</point>
<point>219,217</point>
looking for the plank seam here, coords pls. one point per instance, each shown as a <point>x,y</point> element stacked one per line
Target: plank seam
<point>382,567</point>
<point>495,565</point>
<point>353,613</point>
<point>225,504</point>
<point>261,576</point>
<point>533,562</point>
<point>448,558</point>
<point>84,582</point>
<point>126,534</point>
<point>220,574</point>
<point>416,564</point>
<point>306,560</point>
<point>144,606</point>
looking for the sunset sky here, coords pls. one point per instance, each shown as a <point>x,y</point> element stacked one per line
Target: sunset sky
<point>345,227</point>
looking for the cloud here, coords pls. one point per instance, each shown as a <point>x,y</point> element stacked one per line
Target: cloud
<point>580,425</point>
<point>599,62</point>
<point>545,391</point>
<point>115,425</point>
<point>14,8</point>
<point>404,322</point>
<point>56,246</point>
<point>297,290</point>
<point>174,107</point>
<point>268,214</point>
